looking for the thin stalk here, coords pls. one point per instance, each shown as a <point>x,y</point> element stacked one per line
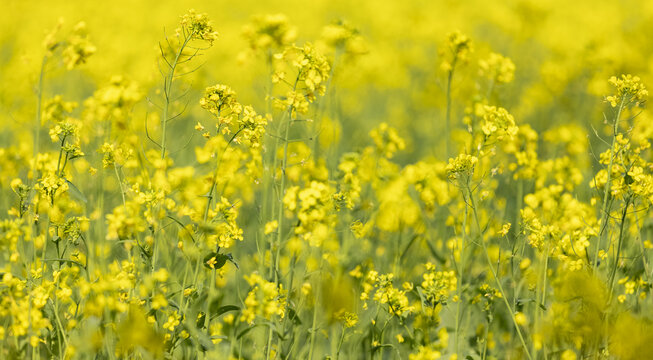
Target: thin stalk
<point>286,319</point>
<point>122,190</point>
<point>342,338</point>
<point>641,248</point>
<point>541,292</point>
<point>518,206</point>
<point>167,88</point>
<point>269,161</point>
<point>484,351</point>
<point>47,228</point>
<point>447,123</point>
<point>313,327</point>
<point>39,102</point>
<point>461,272</point>
<point>61,330</point>
<point>208,303</point>
<point>269,343</point>
<point>215,175</point>
<point>275,262</point>
<point>195,277</point>
<point>613,272</point>
<point>606,208</point>
<point>494,273</point>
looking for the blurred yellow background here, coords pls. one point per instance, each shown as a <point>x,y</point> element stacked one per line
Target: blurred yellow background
<point>559,47</point>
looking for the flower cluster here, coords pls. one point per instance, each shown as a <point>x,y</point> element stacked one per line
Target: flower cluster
<point>343,37</point>
<point>265,300</point>
<point>197,26</point>
<point>497,68</point>
<point>314,208</point>
<point>312,71</point>
<point>461,166</point>
<point>242,122</point>
<point>437,285</point>
<point>498,122</point>
<point>269,32</point>
<point>77,47</point>
<point>395,300</point>
<point>459,47</point>
<point>629,91</point>
<point>114,102</point>
<point>223,230</point>
<point>387,140</point>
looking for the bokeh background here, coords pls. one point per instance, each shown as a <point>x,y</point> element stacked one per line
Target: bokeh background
<point>564,52</point>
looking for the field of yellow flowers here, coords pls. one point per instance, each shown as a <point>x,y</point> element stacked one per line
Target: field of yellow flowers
<point>376,179</point>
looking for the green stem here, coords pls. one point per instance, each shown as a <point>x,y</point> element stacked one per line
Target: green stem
<point>214,181</point>
<point>613,272</point>
<point>541,293</point>
<point>39,102</point>
<point>122,190</point>
<point>208,303</point>
<point>274,263</point>
<point>167,88</point>
<point>461,282</point>
<point>447,123</point>
<point>314,326</point>
<point>494,273</point>
<point>484,351</point>
<point>342,338</point>
<point>606,208</point>
<point>642,249</point>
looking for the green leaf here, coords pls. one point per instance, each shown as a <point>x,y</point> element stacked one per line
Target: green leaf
<point>220,260</point>
<point>74,192</point>
<point>292,315</point>
<point>381,346</point>
<point>223,309</point>
<point>201,319</point>
<point>244,332</point>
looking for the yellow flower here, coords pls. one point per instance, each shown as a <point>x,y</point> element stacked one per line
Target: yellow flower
<point>78,48</point>
<point>269,32</point>
<point>211,262</point>
<point>521,319</point>
<point>462,165</point>
<point>271,226</point>
<point>173,320</point>
<point>437,285</point>
<point>568,355</point>
<point>425,353</point>
<point>498,121</point>
<point>197,26</point>
<point>159,301</point>
<point>497,68</point>
<point>387,140</point>
<point>459,46</point>
<point>265,299</point>
<point>630,91</point>
<point>504,229</point>
<point>350,319</point>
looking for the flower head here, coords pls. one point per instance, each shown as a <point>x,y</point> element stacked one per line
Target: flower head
<point>197,27</point>
<point>629,90</point>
